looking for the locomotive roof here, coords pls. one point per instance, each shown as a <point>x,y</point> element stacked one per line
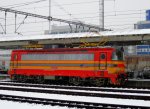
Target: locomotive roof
<point>66,49</point>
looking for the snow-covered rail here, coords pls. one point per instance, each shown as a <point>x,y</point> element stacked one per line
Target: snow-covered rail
<point>80,88</point>
<point>121,95</point>
<point>87,105</point>
<point>80,98</point>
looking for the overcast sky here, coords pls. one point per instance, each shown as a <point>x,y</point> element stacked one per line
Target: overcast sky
<point>119,14</point>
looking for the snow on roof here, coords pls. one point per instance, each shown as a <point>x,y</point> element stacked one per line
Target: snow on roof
<point>4,38</point>
<point>127,32</point>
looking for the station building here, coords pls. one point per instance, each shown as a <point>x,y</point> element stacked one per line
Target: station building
<point>144,24</point>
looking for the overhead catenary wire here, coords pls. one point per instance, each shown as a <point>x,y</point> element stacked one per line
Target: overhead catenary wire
<point>75,3</point>
<point>112,14</point>
<point>107,16</point>
<point>47,18</point>
<point>41,31</point>
<point>85,13</point>
<point>47,21</point>
<point>23,4</point>
<point>89,13</point>
<point>95,17</point>
<point>122,23</point>
<point>63,9</point>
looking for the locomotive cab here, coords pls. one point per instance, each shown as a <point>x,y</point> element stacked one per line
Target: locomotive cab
<point>111,67</point>
<point>119,66</point>
<point>118,55</point>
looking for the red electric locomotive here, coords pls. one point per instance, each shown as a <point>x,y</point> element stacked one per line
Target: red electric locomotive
<point>77,65</point>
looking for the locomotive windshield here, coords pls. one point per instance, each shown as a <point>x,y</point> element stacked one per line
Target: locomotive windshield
<point>117,55</point>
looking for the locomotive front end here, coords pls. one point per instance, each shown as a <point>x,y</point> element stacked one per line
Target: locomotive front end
<point>118,67</point>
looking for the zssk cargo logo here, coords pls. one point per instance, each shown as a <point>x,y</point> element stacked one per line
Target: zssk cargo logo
<point>102,42</point>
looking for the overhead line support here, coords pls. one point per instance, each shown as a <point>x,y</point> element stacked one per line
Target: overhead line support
<point>49,18</point>
<point>5,20</point>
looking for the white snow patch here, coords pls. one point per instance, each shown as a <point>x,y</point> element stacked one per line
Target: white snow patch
<point>18,105</point>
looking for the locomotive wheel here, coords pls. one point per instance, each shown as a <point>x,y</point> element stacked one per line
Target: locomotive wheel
<point>18,78</point>
<point>121,80</point>
<point>14,78</point>
<point>99,82</point>
<point>75,80</point>
<point>40,79</point>
<point>23,78</point>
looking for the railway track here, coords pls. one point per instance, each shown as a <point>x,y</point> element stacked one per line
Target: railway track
<point>104,89</point>
<point>62,90</point>
<point>122,95</point>
<point>87,105</point>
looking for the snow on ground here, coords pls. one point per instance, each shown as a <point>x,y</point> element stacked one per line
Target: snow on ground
<point>16,105</point>
<point>6,79</point>
<point>79,98</point>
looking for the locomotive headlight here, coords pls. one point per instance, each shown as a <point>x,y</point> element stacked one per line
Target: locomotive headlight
<point>118,69</point>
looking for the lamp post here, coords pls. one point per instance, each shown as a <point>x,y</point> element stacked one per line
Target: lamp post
<point>50,16</point>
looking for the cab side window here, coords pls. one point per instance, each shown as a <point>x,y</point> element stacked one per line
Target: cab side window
<point>102,56</point>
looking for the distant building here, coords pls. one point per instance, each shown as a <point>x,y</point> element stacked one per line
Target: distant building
<point>148,15</point>
<point>137,50</point>
<point>144,24</point>
<point>68,29</point>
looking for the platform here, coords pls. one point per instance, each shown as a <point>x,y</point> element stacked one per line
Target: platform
<point>139,83</point>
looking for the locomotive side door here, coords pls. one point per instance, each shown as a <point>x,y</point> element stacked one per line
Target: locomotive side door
<point>103,61</point>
